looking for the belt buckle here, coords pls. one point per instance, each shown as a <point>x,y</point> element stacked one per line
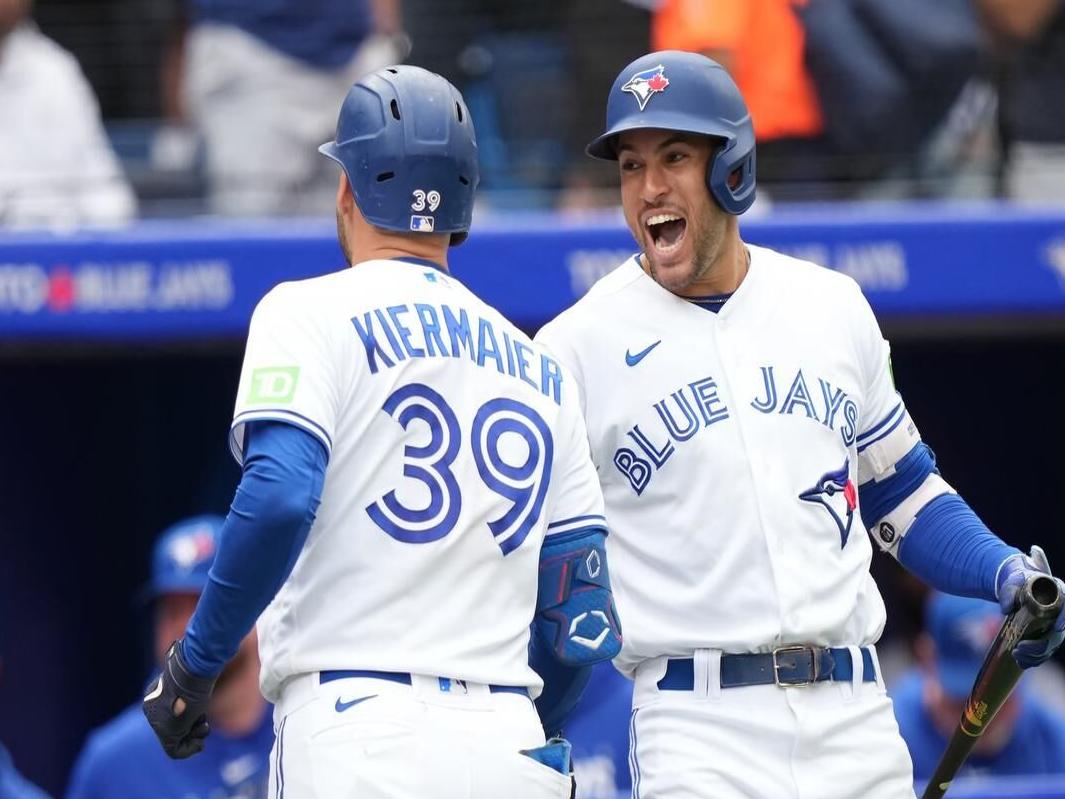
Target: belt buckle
<point>815,665</point>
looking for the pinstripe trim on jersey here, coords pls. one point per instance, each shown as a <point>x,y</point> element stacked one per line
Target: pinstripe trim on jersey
<point>634,763</point>
<point>574,523</point>
<point>878,431</point>
<point>236,444</point>
<point>280,756</point>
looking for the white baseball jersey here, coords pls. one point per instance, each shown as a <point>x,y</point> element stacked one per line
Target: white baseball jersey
<point>455,444</point>
<point>729,447</point>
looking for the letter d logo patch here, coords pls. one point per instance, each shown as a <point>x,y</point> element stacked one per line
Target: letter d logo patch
<point>273,384</point>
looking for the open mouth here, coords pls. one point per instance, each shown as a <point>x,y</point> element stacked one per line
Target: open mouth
<point>666,231</point>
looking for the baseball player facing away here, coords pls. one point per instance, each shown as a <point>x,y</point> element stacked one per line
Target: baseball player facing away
<point>417,487</point>
<point>745,428</point>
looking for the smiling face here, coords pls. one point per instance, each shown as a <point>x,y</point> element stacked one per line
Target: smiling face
<point>668,206</point>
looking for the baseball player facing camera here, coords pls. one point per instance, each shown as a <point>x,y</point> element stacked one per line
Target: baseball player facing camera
<point>417,488</point>
<point>745,427</point>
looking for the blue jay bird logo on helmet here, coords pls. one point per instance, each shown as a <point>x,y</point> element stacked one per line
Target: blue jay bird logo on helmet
<point>644,85</point>
<point>828,486</point>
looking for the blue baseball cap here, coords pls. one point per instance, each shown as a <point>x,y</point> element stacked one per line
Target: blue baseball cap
<point>183,555</point>
<point>962,629</point>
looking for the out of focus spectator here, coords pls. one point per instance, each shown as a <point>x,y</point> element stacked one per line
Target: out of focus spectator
<point>123,759</point>
<point>601,37</point>
<point>898,82</point>
<point>599,733</point>
<point>261,83</point>
<point>56,164</point>
<point>1030,35</point>
<point>762,44</point>
<point>12,784</point>
<point>1027,737</point>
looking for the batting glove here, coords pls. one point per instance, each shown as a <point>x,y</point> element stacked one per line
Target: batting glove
<point>181,733</point>
<point>1012,575</point>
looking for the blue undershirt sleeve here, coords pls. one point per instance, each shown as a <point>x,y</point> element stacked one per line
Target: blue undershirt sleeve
<point>952,550</point>
<point>563,685</point>
<point>267,526</point>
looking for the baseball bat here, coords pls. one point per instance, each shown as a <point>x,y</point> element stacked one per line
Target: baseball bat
<point>1040,604</point>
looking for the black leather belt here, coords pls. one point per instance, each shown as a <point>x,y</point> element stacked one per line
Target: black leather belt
<point>785,666</point>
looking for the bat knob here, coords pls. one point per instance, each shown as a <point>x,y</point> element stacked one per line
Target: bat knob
<point>1043,594</point>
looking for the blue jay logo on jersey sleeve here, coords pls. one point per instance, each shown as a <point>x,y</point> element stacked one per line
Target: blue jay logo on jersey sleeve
<point>836,493</point>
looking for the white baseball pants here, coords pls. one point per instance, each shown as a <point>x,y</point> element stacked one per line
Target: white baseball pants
<point>829,740</point>
<point>366,738</point>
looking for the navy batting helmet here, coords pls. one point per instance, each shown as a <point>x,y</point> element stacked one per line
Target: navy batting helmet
<point>405,140</point>
<point>673,90</point>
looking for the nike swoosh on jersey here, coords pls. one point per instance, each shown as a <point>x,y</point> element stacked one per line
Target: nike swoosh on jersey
<point>342,706</point>
<point>632,360</point>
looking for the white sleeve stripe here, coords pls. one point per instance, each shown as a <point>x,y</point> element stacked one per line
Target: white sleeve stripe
<point>877,459</point>
<point>890,530</point>
<point>895,414</point>
<point>236,430</point>
<point>882,436</point>
<point>587,528</point>
<point>586,519</point>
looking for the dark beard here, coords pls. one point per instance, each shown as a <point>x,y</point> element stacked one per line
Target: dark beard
<point>703,254</point>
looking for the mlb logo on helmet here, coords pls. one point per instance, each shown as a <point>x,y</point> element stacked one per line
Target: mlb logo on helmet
<point>646,84</point>
<point>421,224</point>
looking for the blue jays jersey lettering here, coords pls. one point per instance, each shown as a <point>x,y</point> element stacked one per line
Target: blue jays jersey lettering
<point>391,335</point>
<point>455,446</point>
<point>751,426</point>
<point>829,405</point>
<point>696,406</point>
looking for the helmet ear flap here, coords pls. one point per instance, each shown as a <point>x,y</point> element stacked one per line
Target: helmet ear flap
<point>731,177</point>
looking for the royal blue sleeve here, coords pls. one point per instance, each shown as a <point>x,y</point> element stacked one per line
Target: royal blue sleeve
<point>879,498</point>
<point>267,526</point>
<point>947,546</point>
<point>563,685</point>
<point>951,549</point>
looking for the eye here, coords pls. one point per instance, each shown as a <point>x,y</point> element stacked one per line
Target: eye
<point>675,156</point>
<point>629,164</point>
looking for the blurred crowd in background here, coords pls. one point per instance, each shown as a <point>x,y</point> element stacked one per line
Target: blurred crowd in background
<point>115,109</point>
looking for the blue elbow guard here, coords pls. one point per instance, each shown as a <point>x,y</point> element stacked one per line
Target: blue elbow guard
<point>575,612</point>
